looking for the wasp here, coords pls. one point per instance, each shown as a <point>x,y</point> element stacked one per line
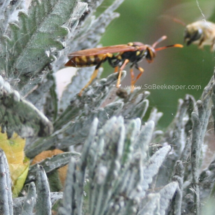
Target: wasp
<point>201,33</point>
<point>118,56</point>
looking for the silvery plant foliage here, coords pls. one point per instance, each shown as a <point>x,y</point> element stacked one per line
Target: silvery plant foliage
<point>118,162</point>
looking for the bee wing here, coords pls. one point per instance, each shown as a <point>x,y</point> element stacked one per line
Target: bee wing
<point>192,11</point>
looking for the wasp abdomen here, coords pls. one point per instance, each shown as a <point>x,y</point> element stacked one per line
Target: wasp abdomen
<point>83,61</point>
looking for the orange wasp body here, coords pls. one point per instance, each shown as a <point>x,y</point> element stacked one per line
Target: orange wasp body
<point>118,57</point>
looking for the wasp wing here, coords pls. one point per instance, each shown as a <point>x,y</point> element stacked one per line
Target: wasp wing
<point>102,50</point>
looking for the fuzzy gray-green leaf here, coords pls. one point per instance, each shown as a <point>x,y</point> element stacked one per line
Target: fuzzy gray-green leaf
<point>167,194</point>
<point>26,46</point>
<point>6,206</point>
<point>19,115</point>
<point>43,203</point>
<point>30,200</point>
<point>50,164</point>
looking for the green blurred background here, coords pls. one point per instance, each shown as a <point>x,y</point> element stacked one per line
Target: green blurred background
<point>145,21</point>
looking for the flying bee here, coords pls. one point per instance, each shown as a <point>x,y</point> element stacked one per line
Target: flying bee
<point>201,33</point>
<point>118,57</point>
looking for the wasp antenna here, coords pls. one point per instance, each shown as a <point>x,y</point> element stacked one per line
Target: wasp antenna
<point>169,46</point>
<point>159,40</point>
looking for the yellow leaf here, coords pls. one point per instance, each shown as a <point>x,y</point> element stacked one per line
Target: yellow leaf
<point>18,163</point>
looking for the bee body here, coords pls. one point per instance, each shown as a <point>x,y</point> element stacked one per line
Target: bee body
<point>201,33</point>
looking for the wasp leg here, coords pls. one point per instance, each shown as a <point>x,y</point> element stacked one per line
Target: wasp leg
<point>141,72</point>
<point>93,76</point>
<point>116,69</point>
<point>132,79</point>
<point>120,72</point>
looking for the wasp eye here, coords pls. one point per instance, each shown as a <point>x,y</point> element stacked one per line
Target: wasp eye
<point>190,37</point>
<point>149,54</point>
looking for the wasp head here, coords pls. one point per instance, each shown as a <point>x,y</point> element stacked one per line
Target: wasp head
<point>149,53</point>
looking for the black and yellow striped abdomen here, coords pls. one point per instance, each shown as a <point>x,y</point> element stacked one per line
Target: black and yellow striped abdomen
<point>85,61</point>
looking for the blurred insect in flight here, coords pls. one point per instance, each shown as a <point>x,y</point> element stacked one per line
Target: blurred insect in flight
<point>201,33</point>
<point>118,57</point>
